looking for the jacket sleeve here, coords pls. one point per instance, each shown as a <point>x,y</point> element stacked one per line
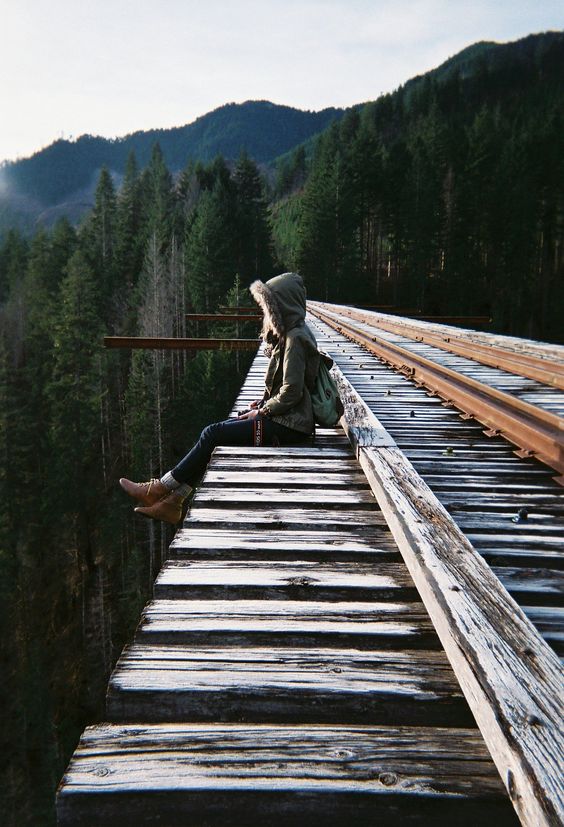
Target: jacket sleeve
<point>293,373</point>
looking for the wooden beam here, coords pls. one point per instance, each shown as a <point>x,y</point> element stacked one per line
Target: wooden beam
<point>512,680</point>
<point>243,309</point>
<point>157,343</point>
<point>223,317</point>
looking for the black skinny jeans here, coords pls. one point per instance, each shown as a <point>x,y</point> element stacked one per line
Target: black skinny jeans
<point>258,431</point>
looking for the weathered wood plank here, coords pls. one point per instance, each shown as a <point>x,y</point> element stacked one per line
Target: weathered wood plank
<point>275,580</point>
<point>281,518</point>
<point>542,583</point>
<point>238,775</point>
<point>316,685</point>
<point>511,678</point>
<point>294,478</point>
<point>291,465</point>
<point>286,623</point>
<point>289,451</point>
<point>260,497</point>
<point>356,543</point>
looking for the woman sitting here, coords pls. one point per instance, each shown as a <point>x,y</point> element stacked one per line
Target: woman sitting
<point>283,416</point>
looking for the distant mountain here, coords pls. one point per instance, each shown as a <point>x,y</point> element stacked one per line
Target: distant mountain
<point>60,179</point>
<point>516,59</point>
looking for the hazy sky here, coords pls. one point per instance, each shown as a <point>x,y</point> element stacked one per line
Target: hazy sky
<point>109,67</point>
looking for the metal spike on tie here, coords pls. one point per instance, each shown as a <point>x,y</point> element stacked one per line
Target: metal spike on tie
<point>521,516</point>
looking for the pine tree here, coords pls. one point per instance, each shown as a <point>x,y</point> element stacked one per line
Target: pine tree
<point>74,392</point>
<point>210,249</point>
<point>159,203</point>
<point>129,256</point>
<point>254,257</point>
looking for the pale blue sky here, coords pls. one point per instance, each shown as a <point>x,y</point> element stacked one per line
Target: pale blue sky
<point>109,67</point>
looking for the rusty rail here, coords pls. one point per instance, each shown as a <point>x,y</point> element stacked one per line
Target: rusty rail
<point>521,364</point>
<point>535,431</point>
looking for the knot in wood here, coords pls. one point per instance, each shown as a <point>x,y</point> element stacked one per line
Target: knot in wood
<point>511,789</point>
<point>300,581</point>
<point>388,779</point>
<point>101,772</point>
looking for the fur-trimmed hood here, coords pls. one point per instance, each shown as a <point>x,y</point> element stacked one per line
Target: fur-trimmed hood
<point>283,302</point>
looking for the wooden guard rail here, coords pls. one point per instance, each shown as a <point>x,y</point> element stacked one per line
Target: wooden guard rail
<point>511,678</point>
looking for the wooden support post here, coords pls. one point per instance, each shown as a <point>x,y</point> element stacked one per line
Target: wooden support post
<point>511,678</point>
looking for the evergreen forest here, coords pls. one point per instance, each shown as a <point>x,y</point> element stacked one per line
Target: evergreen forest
<point>76,564</point>
<point>443,198</point>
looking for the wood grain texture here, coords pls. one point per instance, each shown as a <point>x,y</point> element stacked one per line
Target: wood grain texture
<point>313,684</point>
<point>297,580</point>
<point>279,517</point>
<point>511,679</point>
<point>283,497</point>
<point>360,542</point>
<point>237,775</point>
<point>286,622</point>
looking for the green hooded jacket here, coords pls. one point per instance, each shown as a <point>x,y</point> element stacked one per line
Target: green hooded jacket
<point>294,358</point>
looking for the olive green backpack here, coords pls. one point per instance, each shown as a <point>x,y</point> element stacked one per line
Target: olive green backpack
<point>327,405</point>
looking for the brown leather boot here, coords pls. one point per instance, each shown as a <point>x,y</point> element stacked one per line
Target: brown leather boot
<point>146,492</point>
<point>168,510</point>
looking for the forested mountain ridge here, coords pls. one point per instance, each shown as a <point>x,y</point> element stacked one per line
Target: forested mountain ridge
<point>60,179</point>
<point>444,197</point>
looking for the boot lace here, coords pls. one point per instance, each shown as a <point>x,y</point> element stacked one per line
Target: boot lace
<point>149,483</point>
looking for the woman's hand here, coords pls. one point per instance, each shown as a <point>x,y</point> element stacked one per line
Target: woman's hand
<point>256,403</point>
<point>250,414</point>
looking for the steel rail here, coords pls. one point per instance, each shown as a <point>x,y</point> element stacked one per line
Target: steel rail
<point>535,431</point>
<point>545,350</point>
<point>521,364</point>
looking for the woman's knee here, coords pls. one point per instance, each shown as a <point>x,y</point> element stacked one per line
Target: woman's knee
<point>207,432</point>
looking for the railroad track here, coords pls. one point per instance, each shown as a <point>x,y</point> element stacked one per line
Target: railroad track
<point>322,639</point>
<point>514,392</point>
<point>506,502</point>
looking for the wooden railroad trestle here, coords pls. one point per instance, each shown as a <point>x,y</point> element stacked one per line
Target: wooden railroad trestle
<point>287,669</point>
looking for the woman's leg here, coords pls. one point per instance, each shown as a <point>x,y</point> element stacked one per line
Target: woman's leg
<point>258,431</point>
<point>163,499</point>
